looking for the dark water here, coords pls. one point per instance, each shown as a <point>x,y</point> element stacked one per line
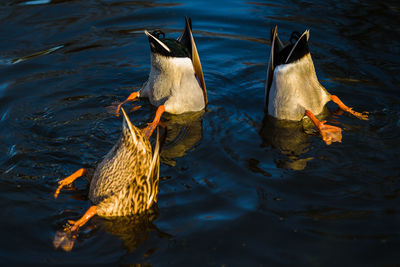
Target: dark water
<point>234,190</point>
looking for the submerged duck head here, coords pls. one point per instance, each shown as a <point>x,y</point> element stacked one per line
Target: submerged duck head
<point>292,89</point>
<point>292,85</point>
<point>125,182</point>
<point>175,60</point>
<point>176,83</point>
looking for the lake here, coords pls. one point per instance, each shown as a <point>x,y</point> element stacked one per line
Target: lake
<point>235,189</point>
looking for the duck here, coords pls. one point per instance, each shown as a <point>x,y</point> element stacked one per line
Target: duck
<point>124,182</point>
<point>176,82</point>
<point>292,89</point>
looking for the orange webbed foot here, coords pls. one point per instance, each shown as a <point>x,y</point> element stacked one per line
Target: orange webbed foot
<point>116,106</point>
<point>69,180</point>
<point>330,133</point>
<point>65,239</point>
<point>361,116</point>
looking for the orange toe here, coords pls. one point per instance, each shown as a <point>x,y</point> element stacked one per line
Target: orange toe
<point>361,116</point>
<point>116,106</point>
<point>69,180</point>
<point>64,239</point>
<point>330,133</point>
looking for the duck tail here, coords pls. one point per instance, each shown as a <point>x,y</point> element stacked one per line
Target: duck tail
<point>153,174</point>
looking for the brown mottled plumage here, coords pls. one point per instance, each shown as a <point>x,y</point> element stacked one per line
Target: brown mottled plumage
<point>124,183</point>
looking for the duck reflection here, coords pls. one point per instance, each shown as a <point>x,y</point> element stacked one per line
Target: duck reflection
<point>184,131</point>
<point>291,138</point>
<point>133,230</point>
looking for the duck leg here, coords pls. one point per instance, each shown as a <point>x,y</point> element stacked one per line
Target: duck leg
<point>66,238</point>
<point>329,133</point>
<point>361,116</point>
<point>152,126</point>
<point>69,180</point>
<point>86,217</point>
<point>116,108</point>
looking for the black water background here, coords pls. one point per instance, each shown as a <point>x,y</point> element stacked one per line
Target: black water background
<point>233,196</point>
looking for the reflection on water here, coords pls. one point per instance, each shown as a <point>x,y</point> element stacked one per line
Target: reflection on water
<point>183,133</point>
<point>289,138</point>
<point>31,56</point>
<point>37,54</point>
<point>133,230</point>
<point>35,2</point>
<point>273,196</point>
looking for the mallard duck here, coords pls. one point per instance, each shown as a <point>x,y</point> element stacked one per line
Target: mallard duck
<point>124,183</point>
<point>292,89</point>
<point>176,82</point>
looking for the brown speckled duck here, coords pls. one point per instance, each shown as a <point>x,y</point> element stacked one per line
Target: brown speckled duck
<point>124,183</point>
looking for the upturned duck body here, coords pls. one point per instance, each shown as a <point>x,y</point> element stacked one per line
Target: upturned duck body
<point>292,89</point>
<point>176,82</point>
<point>124,183</point>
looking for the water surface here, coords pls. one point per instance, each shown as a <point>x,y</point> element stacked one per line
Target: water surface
<point>235,189</point>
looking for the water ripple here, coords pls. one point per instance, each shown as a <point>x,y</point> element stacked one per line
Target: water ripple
<point>232,181</point>
<point>35,2</point>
